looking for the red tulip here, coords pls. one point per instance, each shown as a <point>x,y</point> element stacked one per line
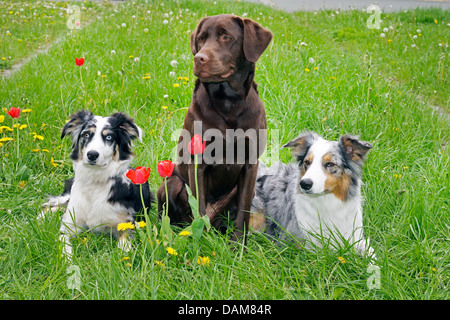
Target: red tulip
<point>79,61</point>
<point>14,112</point>
<point>165,168</point>
<point>139,175</point>
<point>196,146</point>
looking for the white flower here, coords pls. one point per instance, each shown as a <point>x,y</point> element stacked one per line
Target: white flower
<point>303,44</point>
<point>145,30</point>
<point>166,15</point>
<point>172,73</point>
<point>113,51</point>
<point>165,21</point>
<point>415,36</point>
<point>413,45</point>
<point>137,59</point>
<point>419,31</point>
<point>166,96</point>
<point>391,28</point>
<point>382,35</point>
<point>173,63</point>
<point>311,60</point>
<point>385,30</point>
<point>124,25</point>
<point>133,16</point>
<point>99,73</point>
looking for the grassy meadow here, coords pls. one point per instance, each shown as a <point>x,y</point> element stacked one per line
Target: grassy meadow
<point>324,71</point>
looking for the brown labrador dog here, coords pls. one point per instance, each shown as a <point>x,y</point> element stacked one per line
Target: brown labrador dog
<point>225,99</point>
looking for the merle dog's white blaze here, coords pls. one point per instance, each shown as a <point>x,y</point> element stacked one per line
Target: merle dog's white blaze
<point>315,171</point>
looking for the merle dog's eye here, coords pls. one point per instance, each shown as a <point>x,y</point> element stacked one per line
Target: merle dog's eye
<point>307,162</point>
<point>109,137</point>
<point>329,165</point>
<point>86,135</point>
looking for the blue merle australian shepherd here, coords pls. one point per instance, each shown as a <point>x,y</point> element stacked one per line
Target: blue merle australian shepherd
<point>100,196</point>
<point>317,199</point>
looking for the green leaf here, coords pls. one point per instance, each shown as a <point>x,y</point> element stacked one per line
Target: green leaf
<point>197,228</point>
<point>192,202</point>
<point>166,230</point>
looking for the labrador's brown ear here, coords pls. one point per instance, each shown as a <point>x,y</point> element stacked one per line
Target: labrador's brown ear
<point>194,33</point>
<point>256,39</point>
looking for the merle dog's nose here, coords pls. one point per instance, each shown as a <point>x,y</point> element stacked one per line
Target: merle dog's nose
<point>92,155</point>
<point>201,59</point>
<point>306,184</point>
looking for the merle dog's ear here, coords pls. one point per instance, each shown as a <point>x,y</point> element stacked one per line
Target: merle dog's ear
<point>74,125</point>
<point>256,39</point>
<point>353,148</point>
<point>301,144</point>
<point>194,47</point>
<point>127,124</point>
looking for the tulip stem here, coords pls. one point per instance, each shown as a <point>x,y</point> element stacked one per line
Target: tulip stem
<point>196,182</point>
<point>147,220</point>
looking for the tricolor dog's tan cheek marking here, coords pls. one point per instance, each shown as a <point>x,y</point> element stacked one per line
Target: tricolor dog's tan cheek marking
<point>310,158</point>
<point>337,182</point>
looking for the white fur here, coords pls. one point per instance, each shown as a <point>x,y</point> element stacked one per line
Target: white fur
<point>315,171</point>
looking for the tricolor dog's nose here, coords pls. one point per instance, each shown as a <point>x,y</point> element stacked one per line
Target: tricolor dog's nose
<point>201,59</point>
<point>92,155</point>
<point>306,184</point>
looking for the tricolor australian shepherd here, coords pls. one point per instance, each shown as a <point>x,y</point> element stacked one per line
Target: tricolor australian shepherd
<point>100,196</point>
<point>319,198</point>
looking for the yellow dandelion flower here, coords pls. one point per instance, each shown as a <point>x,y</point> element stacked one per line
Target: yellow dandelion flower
<point>341,259</point>
<point>315,68</point>
<point>3,58</point>
<point>39,137</point>
<point>34,150</point>
<point>125,226</point>
<point>130,56</point>
<point>203,261</point>
<point>306,69</point>
<point>52,162</point>
<point>333,78</point>
<point>435,21</point>
<point>184,233</point>
<point>1,144</point>
<point>125,259</point>
<point>146,77</point>
<point>22,183</point>
<point>405,167</point>
<point>6,139</point>
<point>433,269</point>
<point>141,224</point>
<point>171,251</point>
<point>23,126</point>
<point>176,85</point>
<point>103,75</point>
<point>128,265</point>
<point>5,128</point>
<point>160,264</point>
<point>2,118</point>
<point>45,150</point>
<point>164,107</point>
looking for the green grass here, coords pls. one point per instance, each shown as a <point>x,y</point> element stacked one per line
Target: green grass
<point>364,84</point>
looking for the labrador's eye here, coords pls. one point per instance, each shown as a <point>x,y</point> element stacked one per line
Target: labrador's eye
<point>225,37</point>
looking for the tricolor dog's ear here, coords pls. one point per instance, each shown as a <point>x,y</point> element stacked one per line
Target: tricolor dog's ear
<point>126,123</point>
<point>76,122</point>
<point>301,144</point>
<point>354,149</point>
<point>256,39</point>
<point>194,47</point>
